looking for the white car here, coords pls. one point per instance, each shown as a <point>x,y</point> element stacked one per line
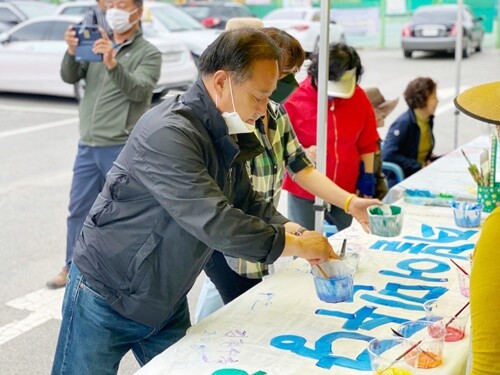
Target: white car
<point>31,55</point>
<point>304,25</point>
<point>165,21</point>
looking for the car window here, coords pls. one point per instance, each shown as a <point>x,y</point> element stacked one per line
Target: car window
<point>285,14</point>
<point>197,12</point>
<point>434,15</point>
<point>78,10</point>
<point>7,16</point>
<point>37,9</point>
<point>174,19</point>
<point>57,31</point>
<point>468,17</point>
<point>33,31</point>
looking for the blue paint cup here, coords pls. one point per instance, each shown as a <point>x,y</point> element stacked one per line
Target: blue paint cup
<point>338,286</point>
<point>385,221</point>
<point>467,214</point>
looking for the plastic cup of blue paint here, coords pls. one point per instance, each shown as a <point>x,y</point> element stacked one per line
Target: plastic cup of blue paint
<point>467,214</point>
<point>338,286</point>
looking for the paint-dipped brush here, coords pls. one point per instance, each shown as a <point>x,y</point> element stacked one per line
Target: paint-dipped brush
<point>342,249</point>
<point>476,175</point>
<point>423,351</point>
<point>400,356</point>
<point>322,271</point>
<point>460,268</point>
<point>457,314</point>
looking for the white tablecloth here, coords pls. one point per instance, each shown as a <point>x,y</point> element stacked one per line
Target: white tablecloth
<point>281,327</point>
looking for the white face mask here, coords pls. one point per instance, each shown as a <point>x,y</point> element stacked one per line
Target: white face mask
<point>233,120</point>
<point>118,20</point>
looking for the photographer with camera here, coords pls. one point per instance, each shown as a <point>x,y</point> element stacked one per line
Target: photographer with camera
<point>118,91</point>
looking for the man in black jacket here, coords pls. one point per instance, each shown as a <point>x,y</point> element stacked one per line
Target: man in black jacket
<point>178,189</point>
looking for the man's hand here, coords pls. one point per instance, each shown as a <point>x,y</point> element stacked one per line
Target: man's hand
<point>315,248</point>
<point>71,40</point>
<point>357,208</point>
<point>105,46</point>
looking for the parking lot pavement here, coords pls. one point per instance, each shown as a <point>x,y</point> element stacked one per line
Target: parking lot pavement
<point>38,140</point>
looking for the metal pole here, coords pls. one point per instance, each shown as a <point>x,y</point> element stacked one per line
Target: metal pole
<point>322,121</point>
<point>498,26</point>
<point>383,6</point>
<point>458,63</point>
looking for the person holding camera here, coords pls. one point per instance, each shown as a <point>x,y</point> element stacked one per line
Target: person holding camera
<point>118,91</point>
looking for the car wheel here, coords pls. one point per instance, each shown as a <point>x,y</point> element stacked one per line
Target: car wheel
<point>79,88</point>
<point>479,46</point>
<point>467,50</point>
<point>407,54</point>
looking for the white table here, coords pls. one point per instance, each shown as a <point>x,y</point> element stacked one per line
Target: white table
<point>281,327</point>
<point>448,174</point>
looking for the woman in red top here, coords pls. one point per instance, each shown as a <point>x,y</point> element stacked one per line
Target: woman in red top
<point>351,134</point>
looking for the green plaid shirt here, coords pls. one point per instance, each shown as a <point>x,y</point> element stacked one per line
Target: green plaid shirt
<point>266,171</point>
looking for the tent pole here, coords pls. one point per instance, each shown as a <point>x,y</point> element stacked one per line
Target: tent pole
<point>458,63</point>
<point>321,126</point>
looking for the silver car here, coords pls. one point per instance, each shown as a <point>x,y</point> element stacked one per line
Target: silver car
<point>433,29</point>
<point>163,21</point>
<point>304,25</point>
<point>31,55</point>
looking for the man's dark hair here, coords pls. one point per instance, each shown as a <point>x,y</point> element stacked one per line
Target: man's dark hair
<point>236,51</point>
<point>418,91</point>
<point>342,59</point>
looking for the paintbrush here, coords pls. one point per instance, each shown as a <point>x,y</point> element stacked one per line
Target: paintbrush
<point>423,351</point>
<point>400,356</point>
<point>456,315</point>
<point>474,172</point>
<point>342,249</point>
<point>322,271</point>
<point>460,268</point>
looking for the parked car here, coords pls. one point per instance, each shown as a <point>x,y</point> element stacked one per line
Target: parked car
<point>215,14</point>
<point>168,21</point>
<point>31,55</point>
<point>14,12</point>
<point>303,24</point>
<point>433,28</point>
<point>165,21</point>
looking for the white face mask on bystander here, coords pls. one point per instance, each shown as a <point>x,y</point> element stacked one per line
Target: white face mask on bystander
<point>118,20</point>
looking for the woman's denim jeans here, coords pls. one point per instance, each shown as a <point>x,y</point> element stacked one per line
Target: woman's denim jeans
<point>93,337</point>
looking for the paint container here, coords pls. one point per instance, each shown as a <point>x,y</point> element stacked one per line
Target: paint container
<point>444,310</point>
<point>467,214</point>
<point>384,351</point>
<point>431,335</point>
<point>338,286</point>
<point>464,280</point>
<point>385,221</point>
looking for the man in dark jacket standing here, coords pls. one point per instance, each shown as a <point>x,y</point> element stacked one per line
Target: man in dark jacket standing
<point>118,91</point>
<point>178,189</point>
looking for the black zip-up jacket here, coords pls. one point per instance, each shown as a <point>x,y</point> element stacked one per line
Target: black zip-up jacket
<point>178,189</point>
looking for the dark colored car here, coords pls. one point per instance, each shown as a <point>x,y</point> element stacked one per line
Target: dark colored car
<point>214,14</point>
<point>433,28</point>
